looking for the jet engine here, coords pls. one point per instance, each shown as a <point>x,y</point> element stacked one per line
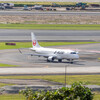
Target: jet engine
<point>50,59</point>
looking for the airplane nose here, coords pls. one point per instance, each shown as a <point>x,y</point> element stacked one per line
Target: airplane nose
<point>77,56</point>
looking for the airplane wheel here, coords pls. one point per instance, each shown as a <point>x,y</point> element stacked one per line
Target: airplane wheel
<point>52,59</point>
<point>59,60</point>
<point>48,60</point>
<point>71,62</point>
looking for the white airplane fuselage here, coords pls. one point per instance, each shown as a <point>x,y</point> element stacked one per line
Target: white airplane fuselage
<point>59,54</point>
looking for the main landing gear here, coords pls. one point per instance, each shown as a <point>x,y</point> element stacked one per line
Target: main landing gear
<point>59,60</point>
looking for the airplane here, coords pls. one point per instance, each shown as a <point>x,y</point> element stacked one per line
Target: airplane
<point>51,54</point>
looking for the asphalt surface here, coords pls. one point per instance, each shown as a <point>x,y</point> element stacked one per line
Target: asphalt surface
<point>29,82</point>
<point>15,88</point>
<point>87,64</point>
<point>86,60</point>
<point>21,32</point>
<point>46,13</point>
<point>59,35</point>
<point>27,65</point>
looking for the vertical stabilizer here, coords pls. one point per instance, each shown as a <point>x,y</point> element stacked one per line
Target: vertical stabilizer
<point>34,41</point>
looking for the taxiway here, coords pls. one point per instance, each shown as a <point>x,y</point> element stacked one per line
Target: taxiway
<point>87,64</point>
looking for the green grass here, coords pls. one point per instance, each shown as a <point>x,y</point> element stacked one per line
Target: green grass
<point>12,97</point>
<point>5,84</point>
<point>40,3</point>
<point>89,79</point>
<point>50,26</point>
<point>46,3</point>
<point>97,96</point>
<point>44,44</point>
<point>21,97</point>
<point>7,65</point>
<point>18,45</point>
<point>63,43</point>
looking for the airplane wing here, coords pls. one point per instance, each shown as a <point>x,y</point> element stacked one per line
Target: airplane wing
<point>34,54</point>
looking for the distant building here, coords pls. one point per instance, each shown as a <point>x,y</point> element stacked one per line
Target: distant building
<point>6,5</point>
<point>55,0</point>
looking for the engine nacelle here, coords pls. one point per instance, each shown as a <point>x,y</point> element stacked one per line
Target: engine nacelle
<point>50,58</point>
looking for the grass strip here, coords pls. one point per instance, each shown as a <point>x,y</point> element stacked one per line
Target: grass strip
<point>38,3</point>
<point>63,43</point>
<point>50,26</point>
<point>21,97</point>
<point>12,97</point>
<point>5,84</point>
<point>88,79</point>
<point>45,3</point>
<point>97,96</point>
<point>7,65</point>
<point>44,44</point>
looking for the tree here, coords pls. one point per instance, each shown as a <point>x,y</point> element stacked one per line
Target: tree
<point>77,91</point>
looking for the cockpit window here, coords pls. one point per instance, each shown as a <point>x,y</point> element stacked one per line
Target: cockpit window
<point>73,52</point>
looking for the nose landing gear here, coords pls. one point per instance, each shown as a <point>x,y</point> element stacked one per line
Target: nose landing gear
<point>59,60</point>
<point>70,61</point>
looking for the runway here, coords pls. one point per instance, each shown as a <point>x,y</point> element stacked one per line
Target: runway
<point>49,35</point>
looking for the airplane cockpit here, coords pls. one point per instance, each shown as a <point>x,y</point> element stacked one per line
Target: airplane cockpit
<point>73,53</point>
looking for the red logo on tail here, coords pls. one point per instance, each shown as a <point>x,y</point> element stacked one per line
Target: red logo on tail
<point>34,42</point>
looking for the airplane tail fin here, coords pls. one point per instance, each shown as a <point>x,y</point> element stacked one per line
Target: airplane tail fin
<point>34,41</point>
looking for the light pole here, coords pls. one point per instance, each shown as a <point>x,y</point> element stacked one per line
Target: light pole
<point>65,74</point>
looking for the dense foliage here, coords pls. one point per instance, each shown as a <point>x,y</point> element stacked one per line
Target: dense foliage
<point>76,92</point>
